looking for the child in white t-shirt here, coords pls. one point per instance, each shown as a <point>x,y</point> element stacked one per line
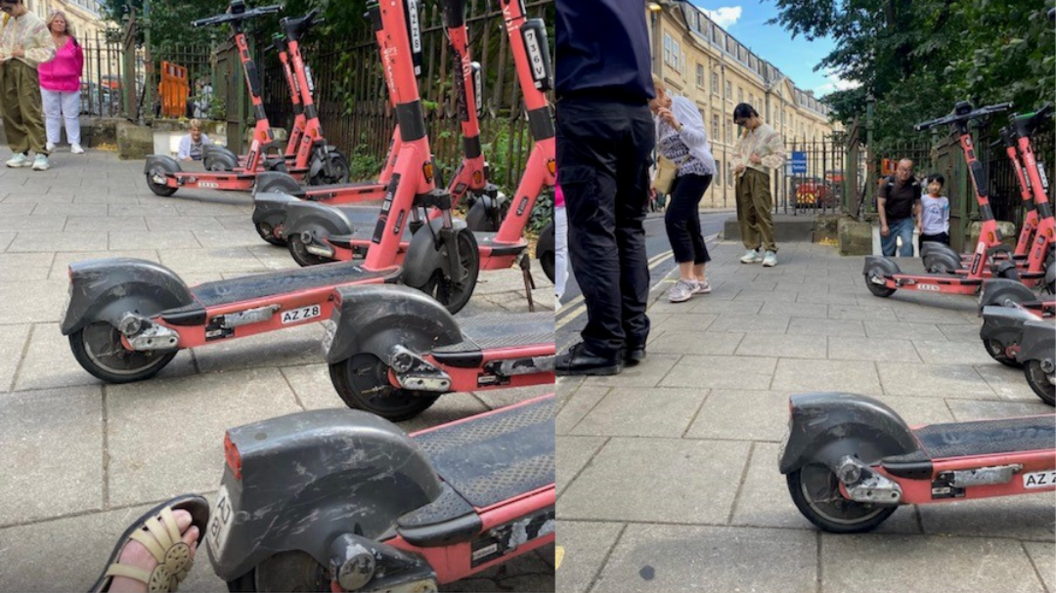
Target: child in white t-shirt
<point>934,222</point>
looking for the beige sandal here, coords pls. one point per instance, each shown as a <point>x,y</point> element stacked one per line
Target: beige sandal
<point>159,534</point>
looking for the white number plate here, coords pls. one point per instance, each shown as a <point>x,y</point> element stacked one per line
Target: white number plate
<point>302,314</point>
<point>1046,479</point>
<point>220,522</point>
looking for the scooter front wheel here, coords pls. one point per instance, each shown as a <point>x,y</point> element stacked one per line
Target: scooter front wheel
<point>286,571</point>
<point>996,350</point>
<point>159,189</point>
<point>454,294</point>
<point>363,383</point>
<point>98,349</point>
<point>1043,384</point>
<point>816,492</point>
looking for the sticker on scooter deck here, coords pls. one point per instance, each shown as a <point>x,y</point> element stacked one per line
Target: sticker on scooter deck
<point>501,540</point>
<point>1044,479</point>
<point>302,314</point>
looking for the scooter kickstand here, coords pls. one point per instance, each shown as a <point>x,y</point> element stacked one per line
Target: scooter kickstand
<point>529,282</point>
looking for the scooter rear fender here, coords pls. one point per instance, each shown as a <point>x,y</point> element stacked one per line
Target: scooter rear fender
<point>1004,324</point>
<point>106,289</point>
<point>309,477</point>
<point>270,208</point>
<point>277,181</point>
<point>1038,341</point>
<point>824,427</point>
<point>374,318</point>
<point>423,255</point>
<point>165,163</point>
<point>320,219</point>
<point>546,240</point>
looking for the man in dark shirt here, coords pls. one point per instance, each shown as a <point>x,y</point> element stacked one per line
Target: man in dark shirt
<point>604,139</point>
<point>898,205</point>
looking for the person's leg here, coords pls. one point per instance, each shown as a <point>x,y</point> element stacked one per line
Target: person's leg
<point>560,251</point>
<point>763,203</point>
<point>889,243</point>
<point>700,248</point>
<point>71,113</point>
<point>676,222</point>
<point>51,103</point>
<point>586,158</point>
<point>632,196</point>
<point>746,213</point>
<point>29,103</point>
<point>905,231</point>
<point>14,128</point>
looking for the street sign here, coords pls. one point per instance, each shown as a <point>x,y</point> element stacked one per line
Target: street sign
<point>799,163</point>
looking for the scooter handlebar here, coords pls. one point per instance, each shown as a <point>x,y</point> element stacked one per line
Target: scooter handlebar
<point>241,16</point>
<point>958,117</point>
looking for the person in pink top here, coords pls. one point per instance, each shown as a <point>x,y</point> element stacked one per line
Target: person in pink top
<point>60,84</point>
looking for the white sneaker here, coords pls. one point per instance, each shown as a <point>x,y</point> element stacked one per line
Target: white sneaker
<point>50,146</point>
<point>40,163</point>
<point>682,291</point>
<point>751,257</point>
<point>702,287</point>
<point>18,160</point>
<point>770,260</point>
<point>76,149</point>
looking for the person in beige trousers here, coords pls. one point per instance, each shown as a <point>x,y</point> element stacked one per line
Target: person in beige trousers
<point>758,151</point>
<point>24,43</point>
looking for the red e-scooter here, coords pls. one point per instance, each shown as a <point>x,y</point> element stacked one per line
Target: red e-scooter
<point>164,175</point>
<point>318,233</point>
<point>850,460</point>
<point>127,318</point>
<point>883,276</point>
<point>342,500</point>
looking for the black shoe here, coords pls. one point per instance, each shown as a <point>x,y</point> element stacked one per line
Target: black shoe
<point>581,361</point>
<point>634,354</point>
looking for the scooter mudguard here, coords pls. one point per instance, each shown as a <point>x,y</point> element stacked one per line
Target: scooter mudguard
<point>546,240</point>
<point>485,215</point>
<point>1003,292</point>
<point>1038,341</point>
<point>424,255</point>
<point>161,162</point>
<point>1004,324</point>
<point>270,208</point>
<point>934,246</point>
<point>276,181</point>
<point>824,427</point>
<point>106,289</point>
<point>212,153</point>
<point>318,219</point>
<point>304,479</point>
<point>881,263</point>
<point>374,318</point>
<point>941,262</point>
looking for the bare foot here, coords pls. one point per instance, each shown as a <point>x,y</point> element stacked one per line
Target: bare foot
<point>136,554</point>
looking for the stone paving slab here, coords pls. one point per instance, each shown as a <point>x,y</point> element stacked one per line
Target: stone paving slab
<point>722,372</point>
<point>589,543</point>
<point>642,413</point>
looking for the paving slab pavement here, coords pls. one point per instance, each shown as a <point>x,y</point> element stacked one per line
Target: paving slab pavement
<point>80,460</point>
<point>664,497</point>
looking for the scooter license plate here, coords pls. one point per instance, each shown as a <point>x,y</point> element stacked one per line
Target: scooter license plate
<point>220,522</point>
<point>1045,479</point>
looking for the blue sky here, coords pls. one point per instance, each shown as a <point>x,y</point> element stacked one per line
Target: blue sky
<point>746,20</point>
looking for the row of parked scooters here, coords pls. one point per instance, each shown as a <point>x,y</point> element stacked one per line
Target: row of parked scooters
<point>850,461</point>
<point>344,500</point>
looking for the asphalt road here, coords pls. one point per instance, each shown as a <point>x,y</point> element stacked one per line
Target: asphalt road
<point>573,314</point>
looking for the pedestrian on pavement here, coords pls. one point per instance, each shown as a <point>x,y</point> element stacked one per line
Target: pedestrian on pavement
<point>560,245</point>
<point>898,204</point>
<point>24,44</point>
<point>191,145</point>
<point>604,138</point>
<point>934,223</point>
<point>60,84</point>
<point>758,151</point>
<point>683,141</point>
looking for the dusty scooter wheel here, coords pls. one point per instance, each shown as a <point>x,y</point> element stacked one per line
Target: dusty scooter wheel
<point>339,170</point>
<point>286,571</point>
<point>1043,384</point>
<point>267,232</point>
<point>300,254</point>
<point>98,349</point>
<point>996,350</point>
<point>363,383</point>
<point>159,189</point>
<point>877,271</point>
<point>816,492</point>
<point>446,291</point>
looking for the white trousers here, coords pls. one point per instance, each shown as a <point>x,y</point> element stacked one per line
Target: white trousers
<point>561,251</point>
<point>60,106</point>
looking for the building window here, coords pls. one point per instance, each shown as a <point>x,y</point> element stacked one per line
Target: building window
<point>740,94</point>
<point>751,99</point>
<point>714,83</point>
<point>714,33</point>
<point>729,91</point>
<point>729,174</point>
<point>718,171</point>
<point>672,53</point>
<point>715,131</point>
<point>729,132</point>
<point>727,44</point>
<point>700,75</point>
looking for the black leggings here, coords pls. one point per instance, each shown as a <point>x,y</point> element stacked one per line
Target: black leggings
<point>683,219</point>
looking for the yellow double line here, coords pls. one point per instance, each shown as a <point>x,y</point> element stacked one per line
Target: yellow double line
<point>576,307</point>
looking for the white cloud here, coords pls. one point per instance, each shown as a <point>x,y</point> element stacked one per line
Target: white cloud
<point>724,17</point>
<point>835,84</point>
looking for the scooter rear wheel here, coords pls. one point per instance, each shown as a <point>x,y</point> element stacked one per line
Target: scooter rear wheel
<point>816,492</point>
<point>159,189</point>
<point>286,571</point>
<point>996,350</point>
<point>449,293</point>
<point>98,349</point>
<point>547,261</point>
<point>1040,381</point>
<point>879,290</point>
<point>267,232</point>
<point>300,254</point>
<point>339,170</point>
<point>363,383</point>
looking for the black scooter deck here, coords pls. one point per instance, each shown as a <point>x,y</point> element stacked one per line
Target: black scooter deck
<point>493,458</point>
<point>247,288</point>
<point>502,330</point>
<point>985,437</point>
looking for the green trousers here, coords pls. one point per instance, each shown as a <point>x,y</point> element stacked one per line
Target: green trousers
<point>754,210</point>
<point>20,101</point>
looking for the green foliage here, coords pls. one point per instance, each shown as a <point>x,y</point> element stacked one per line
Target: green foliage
<point>362,162</point>
<point>542,212</point>
<point>917,57</point>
